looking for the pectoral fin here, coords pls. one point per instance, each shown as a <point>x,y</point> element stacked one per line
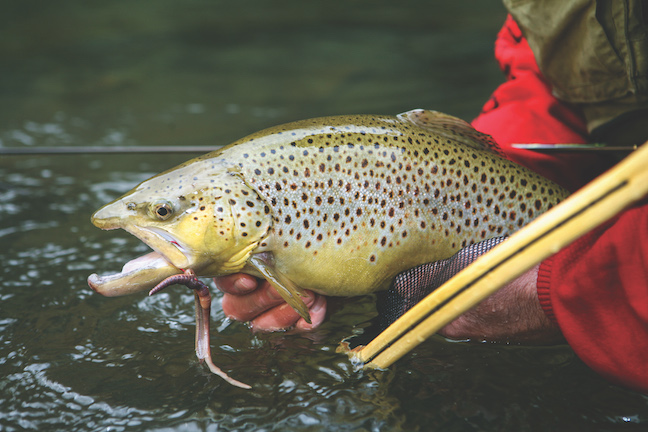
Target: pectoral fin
<point>290,292</point>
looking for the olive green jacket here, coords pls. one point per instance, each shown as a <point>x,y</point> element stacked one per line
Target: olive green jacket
<point>593,53</point>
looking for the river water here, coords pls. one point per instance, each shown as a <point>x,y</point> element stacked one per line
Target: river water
<point>205,73</point>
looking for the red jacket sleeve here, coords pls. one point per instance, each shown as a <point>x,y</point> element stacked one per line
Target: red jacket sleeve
<point>596,290</point>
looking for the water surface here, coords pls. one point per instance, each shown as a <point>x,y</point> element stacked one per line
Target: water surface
<point>204,73</point>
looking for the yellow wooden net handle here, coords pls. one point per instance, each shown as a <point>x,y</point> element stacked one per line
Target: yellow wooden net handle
<point>597,202</point>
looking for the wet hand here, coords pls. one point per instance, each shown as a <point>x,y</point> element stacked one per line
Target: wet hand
<point>512,314</point>
<point>247,298</point>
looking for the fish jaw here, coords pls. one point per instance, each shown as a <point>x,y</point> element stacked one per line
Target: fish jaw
<point>170,256</point>
<point>140,274</point>
<point>145,272</point>
<point>174,251</point>
<point>118,215</point>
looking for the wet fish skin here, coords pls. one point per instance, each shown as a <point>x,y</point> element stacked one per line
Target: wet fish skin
<point>338,205</point>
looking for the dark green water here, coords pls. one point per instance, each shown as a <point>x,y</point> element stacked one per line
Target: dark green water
<point>203,73</point>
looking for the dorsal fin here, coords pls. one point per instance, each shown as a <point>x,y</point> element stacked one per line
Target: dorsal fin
<point>452,128</point>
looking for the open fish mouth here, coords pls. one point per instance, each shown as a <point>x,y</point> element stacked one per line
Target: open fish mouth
<point>140,274</point>
<point>173,250</point>
<point>171,257</point>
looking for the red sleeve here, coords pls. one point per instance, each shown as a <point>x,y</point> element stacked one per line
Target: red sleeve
<point>596,289</point>
<point>523,110</point>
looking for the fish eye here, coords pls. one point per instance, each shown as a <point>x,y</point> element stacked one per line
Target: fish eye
<point>162,210</point>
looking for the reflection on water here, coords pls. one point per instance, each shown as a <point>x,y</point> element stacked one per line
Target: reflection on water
<point>204,73</point>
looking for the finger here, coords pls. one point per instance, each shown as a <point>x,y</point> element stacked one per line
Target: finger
<point>317,313</point>
<point>280,317</point>
<point>248,307</point>
<point>237,284</point>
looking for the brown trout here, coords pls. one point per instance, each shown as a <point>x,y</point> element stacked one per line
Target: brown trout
<point>338,205</point>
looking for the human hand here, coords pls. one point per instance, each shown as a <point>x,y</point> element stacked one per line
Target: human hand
<point>512,314</point>
<point>247,298</point>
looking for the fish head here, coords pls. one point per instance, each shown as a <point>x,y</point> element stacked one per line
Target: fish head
<point>199,216</point>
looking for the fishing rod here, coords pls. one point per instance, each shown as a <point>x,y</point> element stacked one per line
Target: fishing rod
<point>79,150</point>
<point>575,148</point>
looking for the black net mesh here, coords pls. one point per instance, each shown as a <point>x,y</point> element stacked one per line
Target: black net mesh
<point>411,286</point>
